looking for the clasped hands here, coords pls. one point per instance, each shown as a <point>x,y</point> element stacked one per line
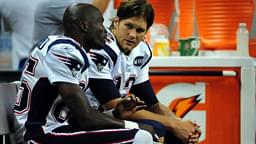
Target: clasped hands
<point>127,106</point>
<point>188,132</point>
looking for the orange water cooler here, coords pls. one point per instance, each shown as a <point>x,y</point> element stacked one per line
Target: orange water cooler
<point>219,93</point>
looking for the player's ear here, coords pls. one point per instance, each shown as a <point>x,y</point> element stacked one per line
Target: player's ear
<point>84,26</point>
<point>115,22</point>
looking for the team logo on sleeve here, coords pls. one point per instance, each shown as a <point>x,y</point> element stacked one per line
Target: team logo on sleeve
<point>99,60</point>
<point>138,61</point>
<point>71,63</point>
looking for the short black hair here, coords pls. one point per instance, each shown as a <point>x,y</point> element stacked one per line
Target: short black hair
<point>75,13</point>
<point>136,8</point>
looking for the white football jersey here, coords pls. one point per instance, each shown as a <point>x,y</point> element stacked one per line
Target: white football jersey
<point>38,104</point>
<point>125,70</point>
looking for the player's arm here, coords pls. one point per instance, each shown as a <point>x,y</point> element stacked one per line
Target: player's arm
<point>101,82</point>
<point>85,116</point>
<point>145,92</point>
<point>108,95</point>
<point>62,74</point>
<point>159,112</point>
<point>90,119</point>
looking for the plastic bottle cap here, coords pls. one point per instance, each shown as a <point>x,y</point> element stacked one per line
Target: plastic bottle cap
<point>242,24</point>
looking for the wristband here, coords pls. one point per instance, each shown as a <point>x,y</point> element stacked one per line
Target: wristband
<point>130,125</point>
<point>109,112</point>
<point>113,113</point>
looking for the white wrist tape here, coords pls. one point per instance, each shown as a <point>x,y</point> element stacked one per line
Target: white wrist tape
<point>130,125</point>
<point>109,112</point>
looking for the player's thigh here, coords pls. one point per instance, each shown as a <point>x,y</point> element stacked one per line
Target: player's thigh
<point>69,135</point>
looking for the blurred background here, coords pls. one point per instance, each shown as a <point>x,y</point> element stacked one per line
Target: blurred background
<point>204,52</point>
<point>213,22</point>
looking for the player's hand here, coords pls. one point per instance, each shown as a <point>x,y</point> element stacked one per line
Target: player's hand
<point>194,139</point>
<point>128,105</point>
<point>187,131</point>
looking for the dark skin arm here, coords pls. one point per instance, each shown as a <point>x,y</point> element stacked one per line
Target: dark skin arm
<point>86,117</point>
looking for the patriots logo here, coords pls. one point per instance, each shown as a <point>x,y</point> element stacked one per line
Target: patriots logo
<point>99,60</point>
<point>182,106</point>
<point>72,64</point>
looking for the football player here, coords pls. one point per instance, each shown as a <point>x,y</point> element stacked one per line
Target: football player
<point>122,67</point>
<point>50,103</point>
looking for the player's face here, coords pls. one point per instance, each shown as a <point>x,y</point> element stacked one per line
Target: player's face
<point>129,32</point>
<point>97,32</point>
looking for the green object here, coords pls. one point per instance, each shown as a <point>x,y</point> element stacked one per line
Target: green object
<point>189,46</point>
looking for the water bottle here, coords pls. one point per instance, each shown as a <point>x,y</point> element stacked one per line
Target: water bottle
<point>242,40</point>
<point>158,40</point>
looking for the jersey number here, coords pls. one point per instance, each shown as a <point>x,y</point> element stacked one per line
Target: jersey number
<point>22,103</point>
<point>128,83</point>
<point>31,66</point>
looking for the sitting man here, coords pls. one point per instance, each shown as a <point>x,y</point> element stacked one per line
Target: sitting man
<point>53,83</point>
<point>122,67</point>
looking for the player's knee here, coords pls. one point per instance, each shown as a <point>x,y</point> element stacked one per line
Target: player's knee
<point>143,137</point>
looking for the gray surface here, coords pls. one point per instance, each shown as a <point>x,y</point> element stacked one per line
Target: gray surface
<point>7,101</point>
